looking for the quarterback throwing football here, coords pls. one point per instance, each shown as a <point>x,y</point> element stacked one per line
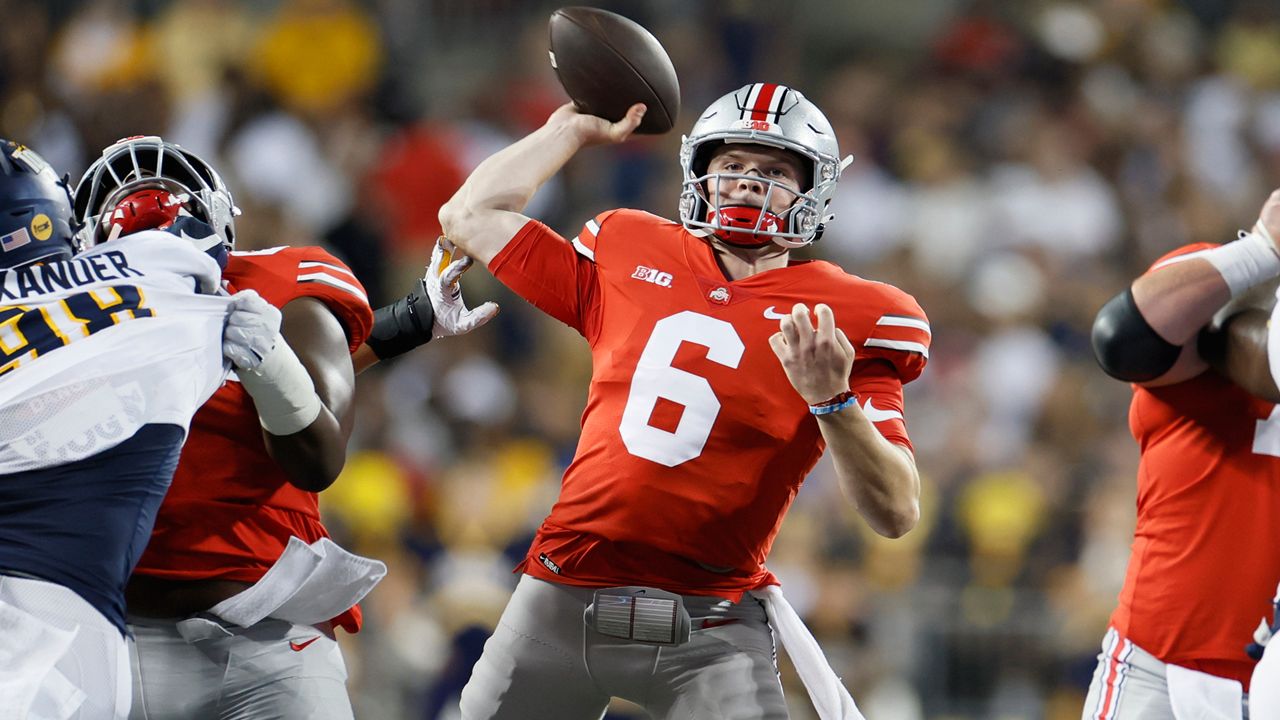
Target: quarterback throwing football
<point>722,369</point>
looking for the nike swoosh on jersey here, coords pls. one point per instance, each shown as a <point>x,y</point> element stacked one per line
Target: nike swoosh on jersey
<point>299,647</point>
<point>769,314</point>
<point>875,414</point>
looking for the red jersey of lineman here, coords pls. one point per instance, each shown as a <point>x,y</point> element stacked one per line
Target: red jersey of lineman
<point>693,441</point>
<point>1203,567</point>
<point>231,509</point>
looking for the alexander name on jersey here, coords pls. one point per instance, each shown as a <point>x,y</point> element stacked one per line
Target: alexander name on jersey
<point>21,283</point>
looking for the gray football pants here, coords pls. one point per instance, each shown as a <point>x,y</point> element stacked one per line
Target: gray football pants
<point>274,670</point>
<point>1129,683</point>
<point>544,663</point>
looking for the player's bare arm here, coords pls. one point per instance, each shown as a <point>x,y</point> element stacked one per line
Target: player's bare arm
<point>1235,344</point>
<point>314,456</point>
<point>487,211</point>
<point>877,476</point>
<point>1147,335</point>
<point>303,395</point>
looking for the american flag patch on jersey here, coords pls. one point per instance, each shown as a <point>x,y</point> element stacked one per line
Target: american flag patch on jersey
<point>314,271</point>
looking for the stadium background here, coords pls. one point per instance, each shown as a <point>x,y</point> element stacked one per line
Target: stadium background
<point>1016,164</point>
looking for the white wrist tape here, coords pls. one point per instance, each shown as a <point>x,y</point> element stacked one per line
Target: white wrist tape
<point>282,391</point>
<point>1246,262</point>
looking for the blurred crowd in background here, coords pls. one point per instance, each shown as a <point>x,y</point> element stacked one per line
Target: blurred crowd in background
<point>1016,164</point>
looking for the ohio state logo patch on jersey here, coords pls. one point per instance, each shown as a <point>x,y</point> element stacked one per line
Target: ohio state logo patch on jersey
<point>719,295</point>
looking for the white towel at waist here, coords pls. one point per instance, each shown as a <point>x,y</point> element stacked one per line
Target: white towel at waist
<point>1197,695</point>
<point>309,584</point>
<point>828,694</point>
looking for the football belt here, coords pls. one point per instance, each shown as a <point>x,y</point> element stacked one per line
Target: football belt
<point>639,614</point>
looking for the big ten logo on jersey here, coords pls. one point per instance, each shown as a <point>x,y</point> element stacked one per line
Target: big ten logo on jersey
<point>653,275</point>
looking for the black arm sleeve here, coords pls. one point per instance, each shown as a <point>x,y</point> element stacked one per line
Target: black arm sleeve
<point>1126,346</point>
<point>403,325</point>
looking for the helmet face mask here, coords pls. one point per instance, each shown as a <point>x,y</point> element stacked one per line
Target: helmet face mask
<point>36,219</point>
<point>751,225</point>
<point>148,163</point>
<point>774,116</point>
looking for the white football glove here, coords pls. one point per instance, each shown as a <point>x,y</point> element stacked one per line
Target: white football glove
<point>251,330</point>
<point>452,317</point>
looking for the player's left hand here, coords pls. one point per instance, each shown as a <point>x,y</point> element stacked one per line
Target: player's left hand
<point>817,360</point>
<point>251,330</point>
<point>452,317</point>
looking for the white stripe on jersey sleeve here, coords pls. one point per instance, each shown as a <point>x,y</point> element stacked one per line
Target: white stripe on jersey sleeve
<point>593,227</point>
<point>905,321</point>
<point>905,345</point>
<point>1179,258</point>
<point>326,279</point>
<point>583,250</point>
<point>316,264</point>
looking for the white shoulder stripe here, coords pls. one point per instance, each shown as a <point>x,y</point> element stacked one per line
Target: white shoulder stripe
<point>316,264</point>
<point>593,227</point>
<point>1178,259</point>
<point>331,281</point>
<point>904,321</point>
<point>906,345</point>
<point>583,250</point>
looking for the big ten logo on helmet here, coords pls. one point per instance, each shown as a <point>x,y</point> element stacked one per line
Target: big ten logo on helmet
<point>653,275</point>
<point>761,125</point>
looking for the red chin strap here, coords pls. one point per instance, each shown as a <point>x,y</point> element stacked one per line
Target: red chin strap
<point>143,210</point>
<point>748,218</point>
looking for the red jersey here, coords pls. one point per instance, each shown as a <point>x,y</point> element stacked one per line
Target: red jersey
<point>231,510</point>
<point>694,442</point>
<point>1203,567</point>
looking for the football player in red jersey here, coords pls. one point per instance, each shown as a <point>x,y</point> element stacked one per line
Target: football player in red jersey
<point>1191,338</point>
<point>722,369</point>
<point>211,640</point>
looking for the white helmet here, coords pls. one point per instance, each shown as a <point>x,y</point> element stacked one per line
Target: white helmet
<point>145,174</point>
<point>763,114</point>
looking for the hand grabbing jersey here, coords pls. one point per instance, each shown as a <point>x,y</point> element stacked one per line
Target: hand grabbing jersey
<point>251,331</point>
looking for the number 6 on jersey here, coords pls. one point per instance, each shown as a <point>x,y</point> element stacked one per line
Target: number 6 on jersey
<point>655,378</point>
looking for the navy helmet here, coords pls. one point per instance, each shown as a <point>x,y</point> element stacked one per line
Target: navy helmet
<point>36,219</point>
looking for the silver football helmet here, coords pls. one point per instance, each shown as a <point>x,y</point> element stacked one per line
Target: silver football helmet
<point>166,177</point>
<point>763,114</point>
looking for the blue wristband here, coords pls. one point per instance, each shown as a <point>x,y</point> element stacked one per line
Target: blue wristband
<point>839,404</point>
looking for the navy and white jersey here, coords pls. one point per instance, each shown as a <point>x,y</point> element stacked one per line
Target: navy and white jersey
<point>93,348</point>
<point>104,358</point>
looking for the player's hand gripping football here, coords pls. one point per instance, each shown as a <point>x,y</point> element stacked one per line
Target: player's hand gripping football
<point>452,317</point>
<point>592,130</point>
<point>817,360</point>
<point>251,330</point>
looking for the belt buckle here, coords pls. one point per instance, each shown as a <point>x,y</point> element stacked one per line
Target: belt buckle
<point>640,614</point>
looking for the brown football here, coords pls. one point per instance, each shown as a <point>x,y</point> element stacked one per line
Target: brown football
<point>607,63</point>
